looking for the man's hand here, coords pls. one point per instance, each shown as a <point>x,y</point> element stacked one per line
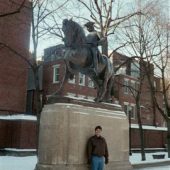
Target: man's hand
<point>89,161</point>
<point>106,160</point>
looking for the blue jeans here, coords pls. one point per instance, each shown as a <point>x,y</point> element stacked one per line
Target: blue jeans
<point>97,163</point>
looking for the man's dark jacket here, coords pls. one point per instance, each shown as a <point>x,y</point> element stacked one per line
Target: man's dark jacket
<point>97,146</point>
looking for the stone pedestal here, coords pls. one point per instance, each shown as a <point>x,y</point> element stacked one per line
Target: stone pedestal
<point>65,129</point>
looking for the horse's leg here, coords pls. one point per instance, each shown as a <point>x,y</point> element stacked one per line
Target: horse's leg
<point>72,71</point>
<point>108,96</point>
<point>103,90</point>
<point>105,84</point>
<point>96,84</point>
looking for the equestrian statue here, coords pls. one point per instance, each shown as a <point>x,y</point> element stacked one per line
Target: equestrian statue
<point>82,55</point>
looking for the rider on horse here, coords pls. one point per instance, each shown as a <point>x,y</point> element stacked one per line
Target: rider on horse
<point>94,40</point>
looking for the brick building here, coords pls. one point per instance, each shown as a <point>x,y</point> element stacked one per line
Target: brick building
<point>127,82</point>
<point>128,75</point>
<point>17,128</point>
<point>14,38</point>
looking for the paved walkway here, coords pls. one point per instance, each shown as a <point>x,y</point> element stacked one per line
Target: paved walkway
<point>154,168</point>
<point>165,165</point>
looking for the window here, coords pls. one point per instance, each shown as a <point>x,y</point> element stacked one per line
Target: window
<point>121,70</point>
<point>135,69</point>
<point>90,83</point>
<point>154,84</point>
<point>81,79</point>
<point>56,73</point>
<point>126,84</point>
<point>137,86</point>
<point>130,108</point>
<point>72,81</point>
<point>132,111</point>
<point>126,108</point>
<point>133,87</point>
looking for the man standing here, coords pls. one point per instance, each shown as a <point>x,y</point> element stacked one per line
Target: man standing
<point>97,151</point>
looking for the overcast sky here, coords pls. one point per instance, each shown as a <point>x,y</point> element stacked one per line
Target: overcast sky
<point>75,9</point>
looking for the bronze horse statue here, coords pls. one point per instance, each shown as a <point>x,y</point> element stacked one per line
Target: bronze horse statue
<point>78,58</point>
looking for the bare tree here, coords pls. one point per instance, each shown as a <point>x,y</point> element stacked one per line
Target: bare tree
<point>158,54</point>
<point>162,66</point>
<point>136,90</point>
<point>107,17</point>
<point>41,12</point>
<point>150,44</point>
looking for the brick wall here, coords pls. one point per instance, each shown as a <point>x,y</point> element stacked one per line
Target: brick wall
<point>15,33</point>
<point>152,139</point>
<point>49,87</point>
<point>17,134</point>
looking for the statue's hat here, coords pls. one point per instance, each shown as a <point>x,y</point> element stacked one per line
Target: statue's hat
<point>89,24</point>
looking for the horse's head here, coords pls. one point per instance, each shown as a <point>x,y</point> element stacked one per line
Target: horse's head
<point>74,34</point>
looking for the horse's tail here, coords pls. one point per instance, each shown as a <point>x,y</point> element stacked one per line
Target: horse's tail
<point>65,77</point>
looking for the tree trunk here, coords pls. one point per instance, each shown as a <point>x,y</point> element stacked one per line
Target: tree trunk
<point>168,137</point>
<point>37,104</point>
<point>141,133</point>
<point>129,115</point>
<point>105,48</point>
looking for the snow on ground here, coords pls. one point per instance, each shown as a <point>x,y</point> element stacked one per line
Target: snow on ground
<point>136,158</point>
<point>17,163</point>
<point>29,162</point>
<point>155,168</point>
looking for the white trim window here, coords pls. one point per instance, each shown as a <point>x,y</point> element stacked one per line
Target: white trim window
<point>130,108</point>
<point>133,87</point>
<point>126,104</point>
<point>126,86</point>
<point>56,73</point>
<point>90,83</point>
<point>133,111</point>
<point>72,81</point>
<point>135,69</point>
<point>121,70</point>
<point>81,79</point>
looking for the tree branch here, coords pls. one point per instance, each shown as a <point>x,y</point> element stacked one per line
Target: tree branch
<point>15,11</point>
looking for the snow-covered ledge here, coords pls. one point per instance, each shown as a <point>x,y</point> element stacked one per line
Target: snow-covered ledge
<point>18,117</point>
<point>136,126</point>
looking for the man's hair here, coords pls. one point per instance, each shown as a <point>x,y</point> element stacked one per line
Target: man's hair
<point>98,127</point>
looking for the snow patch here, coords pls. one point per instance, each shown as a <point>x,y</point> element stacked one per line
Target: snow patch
<point>29,162</point>
<point>19,150</point>
<point>136,126</point>
<point>136,158</point>
<point>18,163</point>
<point>18,117</point>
